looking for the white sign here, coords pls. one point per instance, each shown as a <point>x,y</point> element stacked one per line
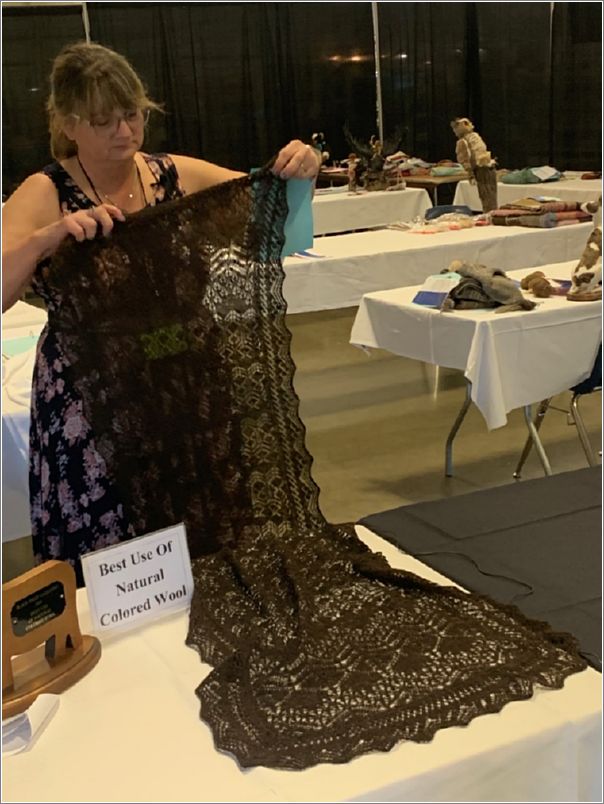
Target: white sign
<point>138,580</point>
<point>544,172</point>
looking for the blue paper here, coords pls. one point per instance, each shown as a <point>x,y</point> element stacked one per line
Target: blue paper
<point>436,288</point>
<point>309,255</point>
<point>429,298</point>
<point>299,224</point>
<point>299,227</point>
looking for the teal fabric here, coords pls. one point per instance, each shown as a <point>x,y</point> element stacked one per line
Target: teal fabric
<point>526,176</point>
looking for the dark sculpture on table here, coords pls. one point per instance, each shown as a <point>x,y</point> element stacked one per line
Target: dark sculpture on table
<point>368,170</point>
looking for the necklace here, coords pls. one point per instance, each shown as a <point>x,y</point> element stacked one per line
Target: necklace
<point>111,201</point>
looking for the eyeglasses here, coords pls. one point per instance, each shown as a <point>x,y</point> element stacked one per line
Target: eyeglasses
<point>109,126</point>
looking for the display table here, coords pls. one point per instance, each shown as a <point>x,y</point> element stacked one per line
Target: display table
<point>432,183</point>
<point>130,732</point>
<point>337,210</point>
<point>21,326</point>
<point>332,176</point>
<point>355,264</point>
<point>571,189</point>
<point>511,359</point>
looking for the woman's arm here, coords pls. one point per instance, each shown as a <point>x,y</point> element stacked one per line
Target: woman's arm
<point>33,228</point>
<point>197,174</point>
<point>295,160</point>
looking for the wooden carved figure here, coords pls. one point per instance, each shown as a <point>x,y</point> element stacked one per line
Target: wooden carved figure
<point>472,154</point>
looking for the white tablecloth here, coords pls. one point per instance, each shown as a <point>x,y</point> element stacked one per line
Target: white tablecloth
<point>355,264</point>
<point>565,189</point>
<point>130,731</point>
<point>21,321</point>
<point>511,359</point>
<point>337,210</point>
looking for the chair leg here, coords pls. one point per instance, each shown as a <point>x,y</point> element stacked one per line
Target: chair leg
<point>541,411</point>
<point>528,415</point>
<point>582,432</point>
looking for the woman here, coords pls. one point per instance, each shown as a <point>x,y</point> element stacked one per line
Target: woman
<point>98,108</point>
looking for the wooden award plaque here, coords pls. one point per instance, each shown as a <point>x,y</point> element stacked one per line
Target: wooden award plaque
<point>39,610</point>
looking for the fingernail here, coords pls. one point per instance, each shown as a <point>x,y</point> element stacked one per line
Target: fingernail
<point>283,174</point>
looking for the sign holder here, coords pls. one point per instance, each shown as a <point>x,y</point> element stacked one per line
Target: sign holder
<point>39,607</point>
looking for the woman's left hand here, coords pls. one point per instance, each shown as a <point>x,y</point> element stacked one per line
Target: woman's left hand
<point>297,161</point>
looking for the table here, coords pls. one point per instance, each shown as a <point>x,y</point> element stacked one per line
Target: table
<point>332,176</point>
<point>22,321</point>
<point>359,263</point>
<point>337,210</point>
<point>338,176</point>
<point>130,731</point>
<point>510,360</point>
<point>571,189</point>
<point>432,183</point>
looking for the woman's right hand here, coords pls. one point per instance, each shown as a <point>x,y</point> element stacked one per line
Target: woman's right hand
<point>81,225</point>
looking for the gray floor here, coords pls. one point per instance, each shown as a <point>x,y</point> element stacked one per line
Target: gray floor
<point>377,426</point>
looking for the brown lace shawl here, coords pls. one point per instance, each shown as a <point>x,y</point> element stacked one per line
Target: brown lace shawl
<point>175,330</point>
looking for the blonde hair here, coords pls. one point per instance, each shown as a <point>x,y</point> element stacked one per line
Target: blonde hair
<point>89,79</point>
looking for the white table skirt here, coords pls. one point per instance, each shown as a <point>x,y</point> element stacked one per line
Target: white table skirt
<point>565,189</point>
<point>511,359</point>
<point>355,264</point>
<point>337,210</point>
<point>130,731</point>
<point>21,321</point>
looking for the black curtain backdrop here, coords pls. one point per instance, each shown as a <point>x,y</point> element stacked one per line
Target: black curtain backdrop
<point>576,86</point>
<point>31,38</point>
<point>423,66</point>
<point>238,80</point>
<point>513,72</point>
<point>328,54</point>
<point>135,31</point>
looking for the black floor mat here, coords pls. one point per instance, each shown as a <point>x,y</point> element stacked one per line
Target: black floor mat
<point>536,543</point>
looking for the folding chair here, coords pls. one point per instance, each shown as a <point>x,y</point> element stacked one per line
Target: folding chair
<point>587,386</point>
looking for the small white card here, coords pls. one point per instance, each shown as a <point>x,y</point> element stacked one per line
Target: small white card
<point>436,288</point>
<point>140,580</point>
<point>544,172</point>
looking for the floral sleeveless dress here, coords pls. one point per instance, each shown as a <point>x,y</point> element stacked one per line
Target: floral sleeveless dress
<point>75,507</point>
